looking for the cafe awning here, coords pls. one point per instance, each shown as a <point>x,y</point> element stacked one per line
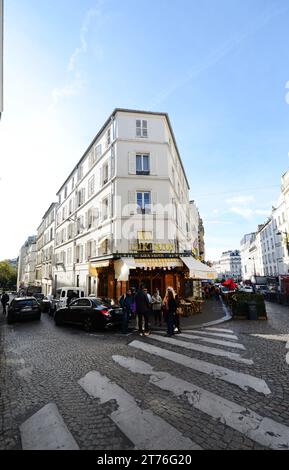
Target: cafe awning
<point>197,269</point>
<point>122,267</point>
<point>93,267</point>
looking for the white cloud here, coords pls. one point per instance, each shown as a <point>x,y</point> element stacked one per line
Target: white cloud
<point>71,89</point>
<point>76,84</point>
<point>92,13</point>
<point>240,200</point>
<point>248,213</point>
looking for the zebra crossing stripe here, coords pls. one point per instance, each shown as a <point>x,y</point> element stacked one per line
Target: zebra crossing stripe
<point>202,348</point>
<point>224,330</point>
<point>243,381</point>
<point>217,335</point>
<point>265,431</point>
<point>142,427</point>
<point>46,430</point>
<point>229,344</point>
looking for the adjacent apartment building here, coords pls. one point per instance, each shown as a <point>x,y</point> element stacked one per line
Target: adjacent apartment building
<point>26,264</point>
<point>229,265</point>
<point>266,251</point>
<point>124,215</point>
<point>45,251</point>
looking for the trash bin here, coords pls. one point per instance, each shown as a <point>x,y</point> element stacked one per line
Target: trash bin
<point>252,313</point>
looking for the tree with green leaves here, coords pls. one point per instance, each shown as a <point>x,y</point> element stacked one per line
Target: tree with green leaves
<point>8,275</point>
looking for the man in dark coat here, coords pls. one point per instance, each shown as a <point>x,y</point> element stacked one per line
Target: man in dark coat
<point>142,311</point>
<point>4,301</point>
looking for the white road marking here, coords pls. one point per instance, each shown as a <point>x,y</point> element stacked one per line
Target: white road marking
<point>265,431</point>
<point>229,344</point>
<point>202,348</point>
<point>224,330</point>
<point>142,427</point>
<point>244,381</point>
<point>287,355</point>
<point>46,430</point>
<point>217,335</point>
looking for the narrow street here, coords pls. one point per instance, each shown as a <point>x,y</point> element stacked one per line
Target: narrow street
<point>216,387</point>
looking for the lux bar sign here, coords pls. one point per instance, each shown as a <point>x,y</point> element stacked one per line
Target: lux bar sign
<point>155,247</point>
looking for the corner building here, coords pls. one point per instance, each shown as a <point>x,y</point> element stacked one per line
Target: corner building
<point>123,214</point>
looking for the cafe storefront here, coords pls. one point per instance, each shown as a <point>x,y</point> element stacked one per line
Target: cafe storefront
<point>114,276</point>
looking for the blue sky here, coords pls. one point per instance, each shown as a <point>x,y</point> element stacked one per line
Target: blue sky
<point>219,69</point>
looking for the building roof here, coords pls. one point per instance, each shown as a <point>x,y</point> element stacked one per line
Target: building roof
<point>124,110</point>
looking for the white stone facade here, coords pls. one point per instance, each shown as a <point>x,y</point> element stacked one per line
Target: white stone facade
<point>229,265</point>
<point>265,252</point>
<point>129,188</point>
<point>45,250</point>
<point>27,264</point>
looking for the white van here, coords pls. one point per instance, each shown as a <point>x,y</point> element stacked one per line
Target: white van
<point>64,295</point>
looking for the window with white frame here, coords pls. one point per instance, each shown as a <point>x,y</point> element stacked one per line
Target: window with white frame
<point>70,231</point>
<point>79,254</point>
<point>105,174</point>
<point>91,159</point>
<point>72,183</point>
<point>79,173</point>
<point>142,164</point>
<point>81,197</point>
<point>141,128</point>
<point>97,152</point>
<point>69,256</point>
<point>108,137</point>
<point>105,209</point>
<point>91,186</point>
<point>143,199</point>
<point>70,206</point>
<point>63,213</point>
<point>65,192</point>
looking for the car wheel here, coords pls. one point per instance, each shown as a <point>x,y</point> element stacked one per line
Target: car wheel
<point>87,324</point>
<point>58,320</point>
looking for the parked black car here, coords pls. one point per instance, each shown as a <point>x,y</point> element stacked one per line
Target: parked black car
<point>23,307</point>
<point>91,313</point>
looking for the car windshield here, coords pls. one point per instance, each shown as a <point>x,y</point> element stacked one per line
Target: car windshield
<point>72,293</point>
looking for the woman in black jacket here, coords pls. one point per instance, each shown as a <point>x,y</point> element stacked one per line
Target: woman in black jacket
<point>171,311</point>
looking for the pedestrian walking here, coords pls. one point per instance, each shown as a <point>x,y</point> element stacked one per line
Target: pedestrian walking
<point>177,328</point>
<point>126,302</point>
<point>142,311</point>
<point>4,301</point>
<point>157,307</point>
<point>171,308</point>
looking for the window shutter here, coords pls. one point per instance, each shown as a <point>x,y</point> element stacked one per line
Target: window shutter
<point>131,163</point>
<point>86,252</point>
<point>87,219</point>
<point>100,176</point>
<point>109,169</point>
<point>154,197</point>
<point>153,164</point>
<point>111,205</point>
<point>112,169</point>
<point>131,197</point>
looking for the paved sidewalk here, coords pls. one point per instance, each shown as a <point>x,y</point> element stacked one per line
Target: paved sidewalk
<point>212,311</point>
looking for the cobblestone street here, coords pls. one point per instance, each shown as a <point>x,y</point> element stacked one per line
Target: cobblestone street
<point>224,386</point>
